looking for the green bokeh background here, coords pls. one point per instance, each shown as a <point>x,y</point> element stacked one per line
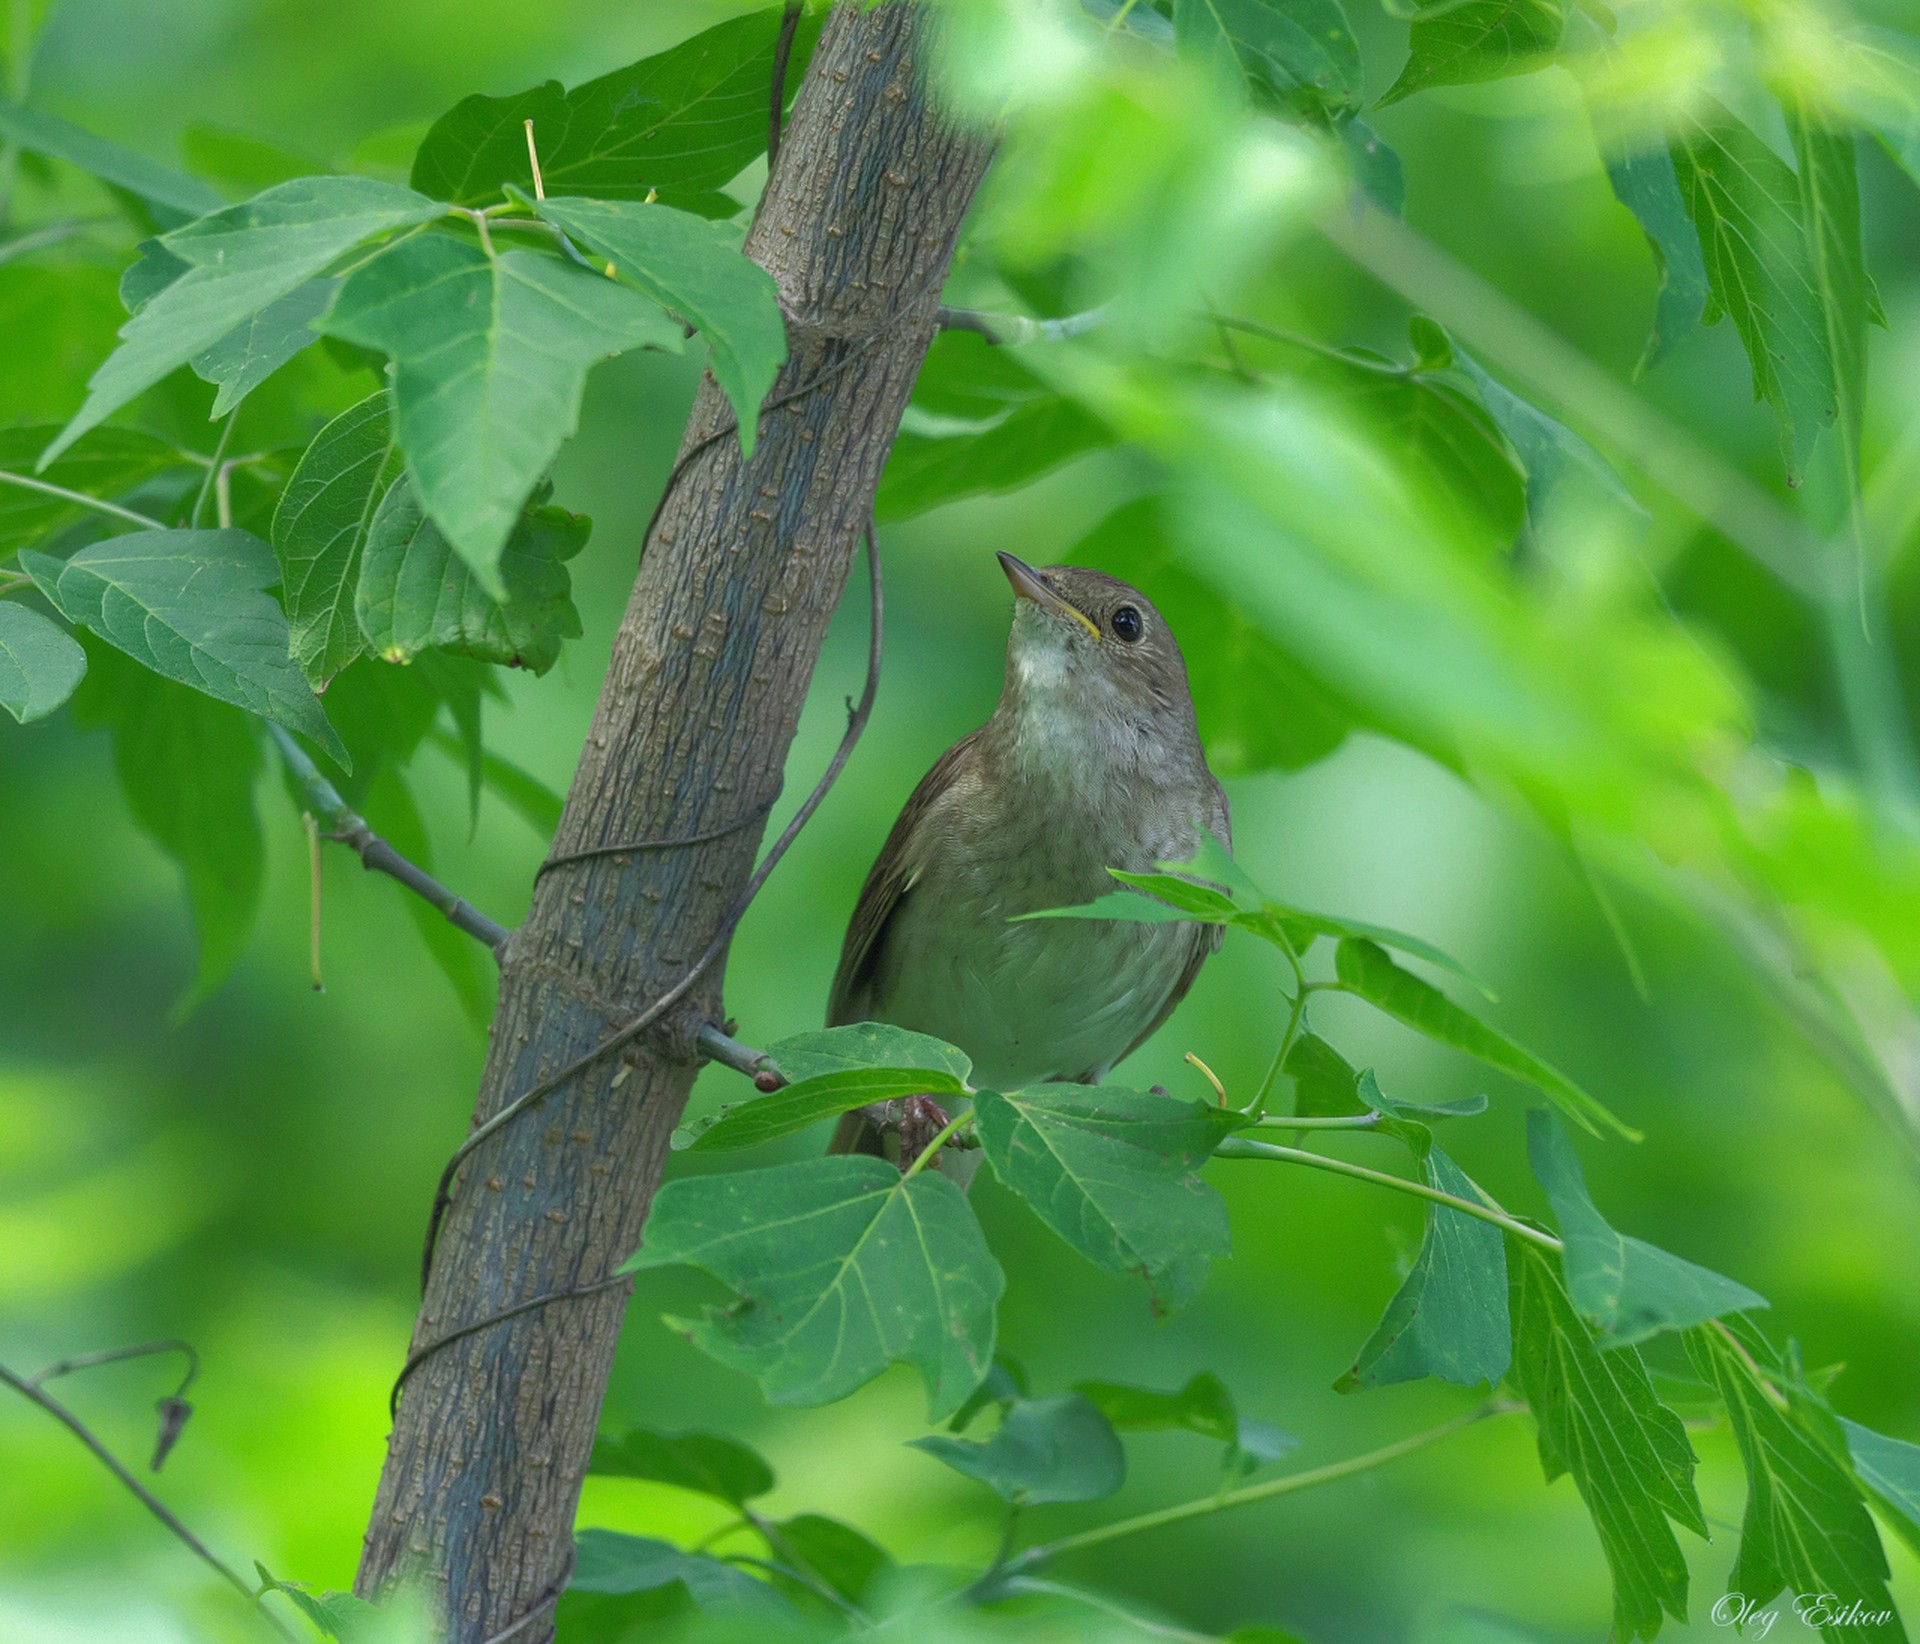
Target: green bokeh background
<point>255,1177</point>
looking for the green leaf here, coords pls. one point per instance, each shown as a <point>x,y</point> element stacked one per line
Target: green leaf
<point>1113,1172</point>
<point>1257,707</point>
<point>524,793</point>
<point>1891,1470</point>
<point>843,1266</point>
<point>697,269</point>
<point>837,1553</point>
<point>1202,1406</point>
<point>108,463</point>
<point>815,1055</point>
<point>239,260</point>
<point>1324,1083</point>
<point>489,359</point>
<point>320,530</point>
<point>606,1561</point>
<point>680,125</point>
<point>1645,182</point>
<point>1297,57</point>
<point>40,663</point>
<point>1449,1317</point>
<point>1600,1420</point>
<point>258,346</point>
<point>188,767</point>
<point>1373,165</point>
<point>192,605</point>
<point>792,1109</point>
<point>339,1616</point>
<point>708,1463</point>
<point>929,470</point>
<point>1880,87</point>
<point>1806,1529</point>
<point>1457,45</point>
<point>1006,1381</point>
<point>1057,1449</point>
<point>1745,205</point>
<point>1626,1288</point>
<point>1365,970</point>
<point>1552,454</point>
<point>415,593</point>
<point>1830,214</point>
<point>171,193</point>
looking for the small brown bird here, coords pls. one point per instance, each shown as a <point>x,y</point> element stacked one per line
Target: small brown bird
<point>1091,760</point>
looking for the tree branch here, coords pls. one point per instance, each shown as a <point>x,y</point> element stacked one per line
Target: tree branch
<point>29,1387</point>
<point>342,825</point>
<point>1020,328</point>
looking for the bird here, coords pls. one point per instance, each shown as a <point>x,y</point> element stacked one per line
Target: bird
<point>1092,760</point>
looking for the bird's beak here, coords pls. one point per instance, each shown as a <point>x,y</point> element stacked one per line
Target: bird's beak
<point>1029,584</point>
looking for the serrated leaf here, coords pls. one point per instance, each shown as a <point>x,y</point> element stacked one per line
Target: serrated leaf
<point>1806,1529</point>
<point>1056,1449</point>
<point>172,194</point>
<point>1297,57</point>
<point>108,463</point>
<point>606,1561</point>
<point>192,605</point>
<point>1457,45</point>
<point>1449,1317</point>
<point>708,1463</point>
<point>1890,1468</point>
<point>1745,205</point>
<point>1364,969</point>
<point>40,663</point>
<point>1836,262</point>
<point>415,592</point>
<point>696,269</point>
<point>489,359</point>
<point>1600,1420</point>
<point>1645,182</point>
<point>258,346</point>
<point>837,1553</point>
<point>188,767</point>
<point>1626,1288</point>
<point>239,260</point>
<point>679,124</point>
<point>320,530</point>
<point>844,1266</point>
<point>1114,1173</point>
<point>930,470</point>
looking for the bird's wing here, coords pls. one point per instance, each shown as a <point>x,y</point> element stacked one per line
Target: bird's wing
<point>888,881</point>
<point>1205,940</point>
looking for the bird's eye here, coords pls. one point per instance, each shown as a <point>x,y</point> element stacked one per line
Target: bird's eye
<point>1125,623</point>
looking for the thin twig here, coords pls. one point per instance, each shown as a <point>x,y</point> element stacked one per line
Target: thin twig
<point>671,842</point>
<point>533,159</point>
<point>1290,1485</point>
<point>420,1355</point>
<point>757,1065</point>
<point>777,90</point>
<point>1238,1147</point>
<point>145,521</point>
<point>856,723</point>
<point>1021,328</point>
<point>347,828</point>
<point>28,1388</point>
<point>115,1355</point>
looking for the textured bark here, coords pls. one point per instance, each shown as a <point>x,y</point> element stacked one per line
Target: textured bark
<point>712,662</point>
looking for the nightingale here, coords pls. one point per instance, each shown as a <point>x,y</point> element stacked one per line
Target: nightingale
<point>1091,760</point>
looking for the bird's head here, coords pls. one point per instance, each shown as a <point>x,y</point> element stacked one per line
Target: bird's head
<point>1086,648</point>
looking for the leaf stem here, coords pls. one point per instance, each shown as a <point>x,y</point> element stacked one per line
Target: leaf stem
<point>213,468</point>
<point>146,522</point>
<point>1341,1121</point>
<point>939,1140</point>
<point>1237,1147</point>
<point>1290,1485</point>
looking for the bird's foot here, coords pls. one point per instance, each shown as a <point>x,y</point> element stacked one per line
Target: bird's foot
<point>919,1119</point>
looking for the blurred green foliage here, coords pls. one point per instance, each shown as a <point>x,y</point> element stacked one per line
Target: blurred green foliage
<point>1616,715</point>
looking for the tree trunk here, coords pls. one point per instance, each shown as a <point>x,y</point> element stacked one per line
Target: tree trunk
<point>744,566</point>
